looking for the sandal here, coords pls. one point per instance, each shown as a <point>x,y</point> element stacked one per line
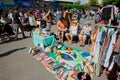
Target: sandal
<point>80,44</point>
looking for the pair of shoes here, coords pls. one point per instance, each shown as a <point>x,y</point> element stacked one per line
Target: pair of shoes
<point>61,42</point>
<point>82,45</point>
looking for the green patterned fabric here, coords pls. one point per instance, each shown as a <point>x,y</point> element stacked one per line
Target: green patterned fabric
<point>78,60</point>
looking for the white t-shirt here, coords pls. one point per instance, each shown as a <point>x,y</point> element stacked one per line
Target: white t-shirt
<point>74,29</point>
<point>86,30</point>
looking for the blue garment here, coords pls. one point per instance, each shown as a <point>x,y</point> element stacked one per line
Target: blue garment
<point>102,37</point>
<point>48,27</point>
<point>79,15</point>
<point>43,24</point>
<point>67,56</point>
<point>58,16</point>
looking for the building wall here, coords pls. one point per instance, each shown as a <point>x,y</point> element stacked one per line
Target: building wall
<point>100,1</point>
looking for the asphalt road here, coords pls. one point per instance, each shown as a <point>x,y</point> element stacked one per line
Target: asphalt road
<point>17,64</point>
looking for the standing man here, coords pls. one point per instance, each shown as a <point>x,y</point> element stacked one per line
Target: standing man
<point>17,23</point>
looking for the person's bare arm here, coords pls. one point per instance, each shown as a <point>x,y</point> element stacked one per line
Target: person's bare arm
<point>47,15</point>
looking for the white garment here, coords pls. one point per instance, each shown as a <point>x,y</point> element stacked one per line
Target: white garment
<point>74,30</point>
<point>97,48</point>
<point>86,30</point>
<point>31,20</point>
<point>2,20</point>
<point>26,16</point>
<point>10,16</point>
<point>21,15</point>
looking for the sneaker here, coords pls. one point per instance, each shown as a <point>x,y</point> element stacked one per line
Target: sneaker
<point>30,50</point>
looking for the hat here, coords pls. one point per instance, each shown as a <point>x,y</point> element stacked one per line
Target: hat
<point>75,21</point>
<point>88,22</point>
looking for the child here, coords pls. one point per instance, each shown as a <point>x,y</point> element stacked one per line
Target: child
<point>73,31</point>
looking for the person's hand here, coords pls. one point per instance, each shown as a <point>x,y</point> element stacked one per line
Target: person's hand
<point>12,24</point>
<point>23,23</point>
<point>59,29</point>
<point>49,11</point>
<point>64,29</point>
<point>82,33</point>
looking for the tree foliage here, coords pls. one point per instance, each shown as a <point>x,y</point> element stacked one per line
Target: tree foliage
<point>69,6</point>
<point>114,2</point>
<point>91,2</point>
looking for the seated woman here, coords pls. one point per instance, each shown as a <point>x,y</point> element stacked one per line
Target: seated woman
<point>85,33</point>
<point>62,28</point>
<point>73,31</point>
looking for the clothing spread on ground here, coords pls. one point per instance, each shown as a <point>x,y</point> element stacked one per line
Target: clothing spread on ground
<point>61,60</point>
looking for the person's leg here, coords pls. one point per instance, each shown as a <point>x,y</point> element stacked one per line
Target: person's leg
<point>16,31</point>
<point>81,38</point>
<point>84,39</point>
<point>59,32</point>
<point>21,27</point>
<point>67,36</point>
<point>62,36</point>
<point>71,38</point>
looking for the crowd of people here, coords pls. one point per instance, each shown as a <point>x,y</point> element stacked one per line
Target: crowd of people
<point>67,22</point>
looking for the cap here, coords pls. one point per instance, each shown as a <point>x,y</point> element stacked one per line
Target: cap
<point>88,22</point>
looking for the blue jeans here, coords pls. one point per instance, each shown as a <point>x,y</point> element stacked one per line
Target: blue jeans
<point>48,27</point>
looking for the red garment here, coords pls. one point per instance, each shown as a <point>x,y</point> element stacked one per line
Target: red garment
<point>102,22</point>
<point>105,44</point>
<point>117,45</point>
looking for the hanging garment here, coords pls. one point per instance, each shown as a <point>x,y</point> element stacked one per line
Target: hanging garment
<point>97,48</point>
<point>106,13</point>
<point>112,75</point>
<point>106,44</point>
<point>105,48</point>
<point>111,64</point>
<point>93,39</point>
<point>117,45</point>
<point>110,50</point>
<point>103,37</point>
<point>98,65</point>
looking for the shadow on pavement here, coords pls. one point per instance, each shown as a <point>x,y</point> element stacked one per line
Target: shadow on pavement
<point>11,51</point>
